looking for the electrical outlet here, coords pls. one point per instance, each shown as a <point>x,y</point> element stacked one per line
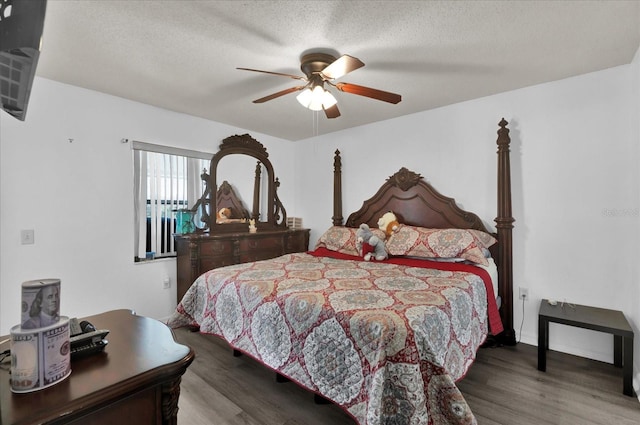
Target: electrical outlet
<point>523,294</point>
<point>166,283</point>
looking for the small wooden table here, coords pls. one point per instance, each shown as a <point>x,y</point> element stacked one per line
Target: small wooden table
<point>597,319</point>
<point>136,380</point>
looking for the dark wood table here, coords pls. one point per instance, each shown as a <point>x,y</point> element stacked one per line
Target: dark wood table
<point>597,319</point>
<point>136,380</point>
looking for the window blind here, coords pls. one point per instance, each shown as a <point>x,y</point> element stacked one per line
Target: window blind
<point>165,179</point>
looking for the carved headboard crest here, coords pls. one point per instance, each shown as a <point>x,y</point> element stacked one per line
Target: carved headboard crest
<point>244,141</point>
<point>404,179</point>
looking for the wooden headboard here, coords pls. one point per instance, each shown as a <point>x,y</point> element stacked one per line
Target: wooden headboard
<point>414,202</point>
<point>417,203</point>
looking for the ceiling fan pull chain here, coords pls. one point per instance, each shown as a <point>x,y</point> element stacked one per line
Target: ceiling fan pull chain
<point>314,115</point>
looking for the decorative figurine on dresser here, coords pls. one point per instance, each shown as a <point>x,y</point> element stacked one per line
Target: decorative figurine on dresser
<point>227,232</point>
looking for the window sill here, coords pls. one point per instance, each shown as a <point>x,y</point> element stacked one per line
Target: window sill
<point>155,260</point>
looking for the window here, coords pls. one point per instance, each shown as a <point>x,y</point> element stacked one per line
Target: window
<point>165,180</point>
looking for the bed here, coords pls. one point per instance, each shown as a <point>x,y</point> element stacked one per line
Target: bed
<point>386,341</point>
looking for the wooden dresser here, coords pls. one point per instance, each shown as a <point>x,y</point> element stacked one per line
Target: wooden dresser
<point>200,252</point>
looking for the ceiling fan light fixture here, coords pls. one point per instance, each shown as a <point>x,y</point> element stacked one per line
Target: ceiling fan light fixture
<point>317,96</point>
<point>304,98</point>
<point>328,100</point>
<point>316,99</point>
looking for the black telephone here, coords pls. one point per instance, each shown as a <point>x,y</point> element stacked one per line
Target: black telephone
<point>85,338</point>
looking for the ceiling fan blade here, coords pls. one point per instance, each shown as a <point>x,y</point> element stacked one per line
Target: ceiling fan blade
<point>332,112</point>
<point>341,66</point>
<point>385,96</point>
<point>297,77</point>
<point>278,94</point>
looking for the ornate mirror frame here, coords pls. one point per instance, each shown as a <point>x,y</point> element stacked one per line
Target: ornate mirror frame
<point>276,214</point>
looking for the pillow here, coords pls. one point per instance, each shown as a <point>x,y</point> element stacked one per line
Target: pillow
<point>440,243</point>
<point>486,239</point>
<point>343,239</point>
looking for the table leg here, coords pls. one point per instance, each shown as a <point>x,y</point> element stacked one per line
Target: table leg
<point>617,350</point>
<point>627,367</point>
<point>170,396</point>
<point>543,342</point>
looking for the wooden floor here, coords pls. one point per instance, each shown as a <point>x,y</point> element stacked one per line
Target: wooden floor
<point>502,387</point>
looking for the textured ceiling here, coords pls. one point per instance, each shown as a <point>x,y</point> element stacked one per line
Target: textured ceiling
<point>182,55</point>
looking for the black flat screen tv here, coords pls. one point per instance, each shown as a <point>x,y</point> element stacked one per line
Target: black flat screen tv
<point>21,26</point>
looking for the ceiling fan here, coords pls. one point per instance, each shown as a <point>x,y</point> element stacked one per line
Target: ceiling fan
<point>321,68</point>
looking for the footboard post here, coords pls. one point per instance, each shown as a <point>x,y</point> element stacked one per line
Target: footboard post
<point>504,225</point>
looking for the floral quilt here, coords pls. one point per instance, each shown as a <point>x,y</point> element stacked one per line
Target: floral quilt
<point>385,341</point>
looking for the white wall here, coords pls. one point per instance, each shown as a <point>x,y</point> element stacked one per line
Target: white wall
<point>78,198</point>
<point>574,177</point>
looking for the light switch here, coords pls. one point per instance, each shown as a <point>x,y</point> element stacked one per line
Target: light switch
<point>27,237</point>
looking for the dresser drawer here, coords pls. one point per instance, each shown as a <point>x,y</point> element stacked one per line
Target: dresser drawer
<point>269,243</point>
<point>216,247</point>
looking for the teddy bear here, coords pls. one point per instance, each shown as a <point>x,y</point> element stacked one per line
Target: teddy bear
<point>388,223</point>
<point>224,215</point>
<point>369,245</point>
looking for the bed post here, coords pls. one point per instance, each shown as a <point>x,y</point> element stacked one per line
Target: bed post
<point>337,189</point>
<point>504,225</point>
